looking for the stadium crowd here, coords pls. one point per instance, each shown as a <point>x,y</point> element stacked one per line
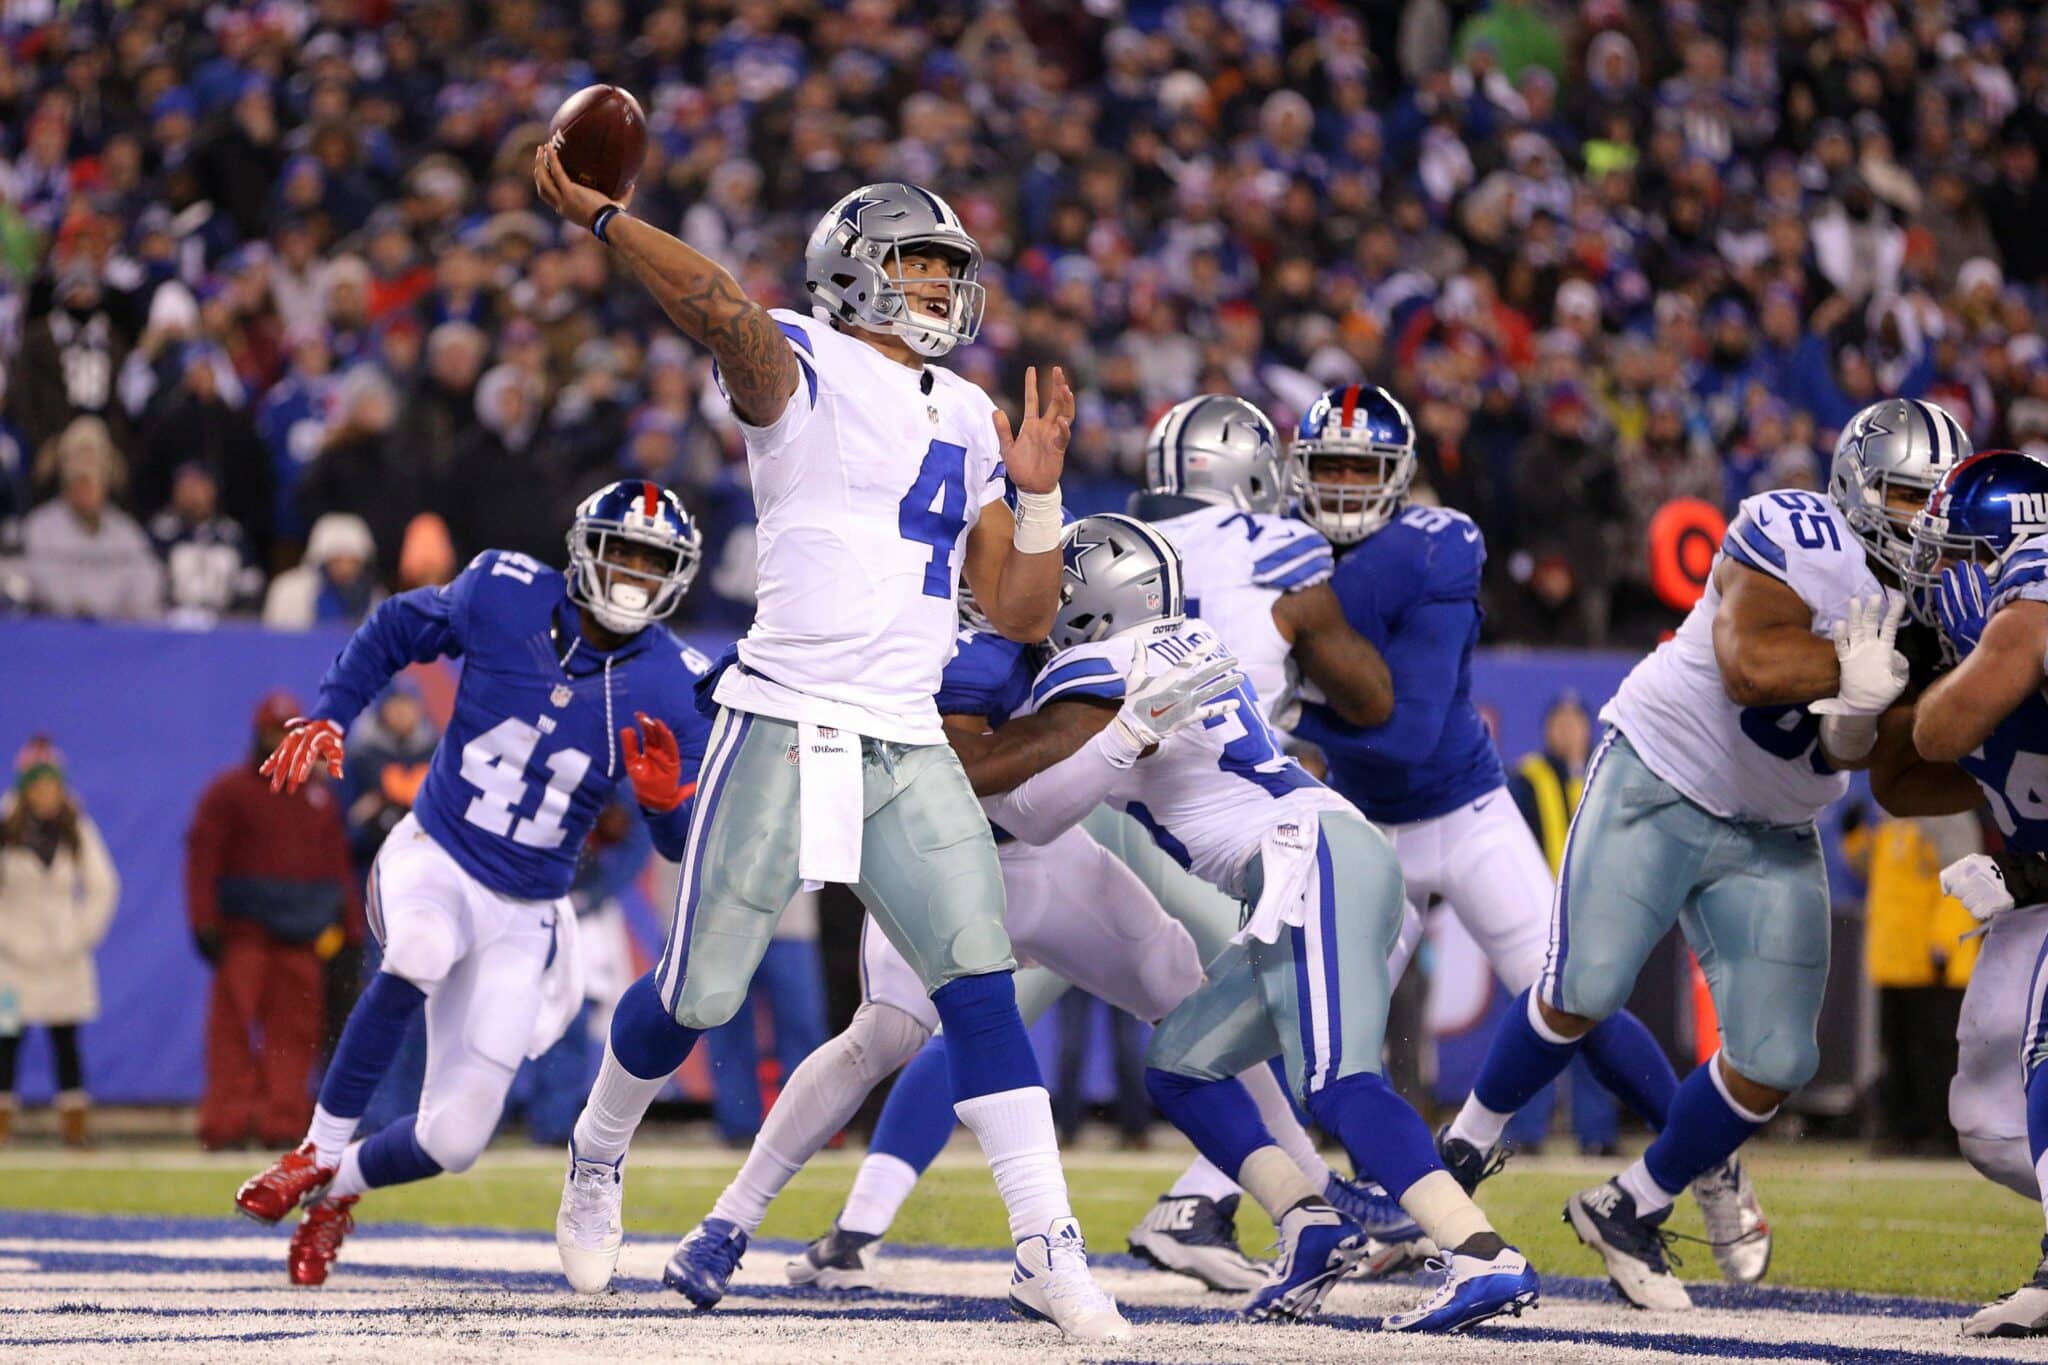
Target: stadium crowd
<point>283,327</point>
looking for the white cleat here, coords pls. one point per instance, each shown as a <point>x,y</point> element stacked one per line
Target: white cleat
<point>1196,1236</point>
<point>1736,1227</point>
<point>1051,1283</point>
<point>2022,1313</point>
<point>588,1229</point>
<point>1606,1220</point>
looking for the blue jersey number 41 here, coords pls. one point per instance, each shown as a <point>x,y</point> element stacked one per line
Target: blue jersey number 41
<point>934,512</point>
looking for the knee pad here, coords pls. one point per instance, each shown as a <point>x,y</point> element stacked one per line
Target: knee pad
<point>702,1010</point>
<point>1782,1060</point>
<point>2003,1161</point>
<point>881,1039</point>
<point>420,945</point>
<point>1169,971</point>
<point>462,1122</point>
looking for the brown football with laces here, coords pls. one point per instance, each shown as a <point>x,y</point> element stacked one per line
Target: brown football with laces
<point>600,137</point>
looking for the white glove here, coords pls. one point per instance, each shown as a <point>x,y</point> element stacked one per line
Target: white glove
<point>1978,884</point>
<point>1188,693</point>
<point>1873,672</point>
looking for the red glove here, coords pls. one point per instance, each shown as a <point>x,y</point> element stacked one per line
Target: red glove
<point>306,743</point>
<point>657,770</point>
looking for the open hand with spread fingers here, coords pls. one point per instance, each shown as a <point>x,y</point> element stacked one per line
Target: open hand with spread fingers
<point>1037,451</point>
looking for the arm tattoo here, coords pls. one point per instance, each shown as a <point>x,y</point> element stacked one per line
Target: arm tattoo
<point>753,356</point>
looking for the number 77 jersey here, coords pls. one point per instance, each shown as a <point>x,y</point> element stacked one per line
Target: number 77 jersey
<point>1758,763</point>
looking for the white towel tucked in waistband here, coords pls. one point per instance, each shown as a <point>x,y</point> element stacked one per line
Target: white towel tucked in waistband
<point>1287,861</point>
<point>829,802</point>
<point>561,985</point>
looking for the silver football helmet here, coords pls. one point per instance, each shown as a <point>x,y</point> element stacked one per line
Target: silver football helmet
<point>1217,449</point>
<point>853,266</point>
<point>1119,574</point>
<point>1897,443</point>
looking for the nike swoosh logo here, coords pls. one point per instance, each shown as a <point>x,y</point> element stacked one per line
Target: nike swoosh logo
<point>1471,533</point>
<point>1483,803</point>
<point>1159,711</point>
<point>1762,517</point>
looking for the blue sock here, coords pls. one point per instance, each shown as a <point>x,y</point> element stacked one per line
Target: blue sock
<point>371,1038</point>
<point>1386,1139</point>
<point>1519,1062</point>
<point>1218,1116</point>
<point>1624,1057</point>
<point>1703,1132</point>
<point>393,1156</point>
<point>646,1038</point>
<point>2037,1113</point>
<point>989,1051</point>
<point>917,1119</point>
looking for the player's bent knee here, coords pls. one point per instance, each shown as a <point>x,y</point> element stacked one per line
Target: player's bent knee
<point>1778,1065</point>
<point>708,1009</point>
<point>421,949</point>
<point>1565,1023</point>
<point>456,1133</point>
<point>2006,1161</point>
<point>881,1039</point>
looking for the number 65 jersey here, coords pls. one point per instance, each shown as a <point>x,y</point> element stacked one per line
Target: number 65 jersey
<point>1759,763</point>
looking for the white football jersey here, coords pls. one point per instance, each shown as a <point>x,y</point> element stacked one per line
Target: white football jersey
<point>1760,763</point>
<point>1210,793</point>
<point>865,488</point>
<point>1236,565</point>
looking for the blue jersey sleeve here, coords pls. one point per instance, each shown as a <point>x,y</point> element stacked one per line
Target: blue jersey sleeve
<point>1424,656</point>
<point>1303,560</point>
<point>411,628</point>
<point>987,676</point>
<point>1090,675</point>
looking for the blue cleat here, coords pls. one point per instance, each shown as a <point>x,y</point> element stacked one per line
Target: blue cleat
<point>704,1261</point>
<point>1472,1291</point>
<point>1318,1246</point>
<point>1367,1203</point>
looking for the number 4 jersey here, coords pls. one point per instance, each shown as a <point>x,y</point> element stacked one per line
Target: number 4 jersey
<point>1747,763</point>
<point>531,753</point>
<point>865,487</point>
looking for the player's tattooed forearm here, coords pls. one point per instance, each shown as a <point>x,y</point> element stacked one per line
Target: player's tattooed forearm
<point>753,357</point>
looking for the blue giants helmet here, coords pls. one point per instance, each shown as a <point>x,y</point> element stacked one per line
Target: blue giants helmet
<point>623,598</point>
<point>1985,509</point>
<point>1359,425</point>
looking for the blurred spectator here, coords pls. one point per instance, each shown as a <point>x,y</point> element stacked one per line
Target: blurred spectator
<point>81,555</point>
<point>427,559</point>
<point>791,985</point>
<point>190,421</point>
<point>69,357</point>
<point>58,888</point>
<point>502,491</point>
<point>209,565</point>
<point>14,462</point>
<point>441,408</point>
<point>1079,1013</point>
<point>361,470</point>
<point>272,896</point>
<point>335,585</point>
<point>1919,951</point>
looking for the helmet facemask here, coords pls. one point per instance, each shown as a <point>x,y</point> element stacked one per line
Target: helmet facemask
<point>625,598</point>
<point>1886,531</point>
<point>876,290</point>
<point>1348,510</point>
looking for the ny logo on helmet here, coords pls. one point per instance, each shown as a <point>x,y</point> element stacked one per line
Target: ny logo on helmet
<point>2029,512</point>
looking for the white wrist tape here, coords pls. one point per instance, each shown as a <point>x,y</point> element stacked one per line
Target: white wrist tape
<point>1038,522</point>
<point>1848,737</point>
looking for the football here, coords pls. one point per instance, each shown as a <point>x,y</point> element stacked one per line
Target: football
<point>600,135</point>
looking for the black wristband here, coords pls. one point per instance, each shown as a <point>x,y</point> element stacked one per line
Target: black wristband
<point>603,220</point>
<point>2026,876</point>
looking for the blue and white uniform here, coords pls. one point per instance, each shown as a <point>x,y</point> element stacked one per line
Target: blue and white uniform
<point>1430,775</point>
<point>1699,811</point>
<point>469,894</point>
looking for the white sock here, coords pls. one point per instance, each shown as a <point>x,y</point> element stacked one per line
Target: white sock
<point>1278,1113</point>
<point>2041,1175</point>
<point>1478,1125</point>
<point>349,1180</point>
<point>823,1092</point>
<point>1271,1177</point>
<point>1650,1197</point>
<point>329,1134</point>
<point>1016,1134</point>
<point>879,1189</point>
<point>1439,1204</point>
<point>618,1101</point>
<point>1202,1178</point>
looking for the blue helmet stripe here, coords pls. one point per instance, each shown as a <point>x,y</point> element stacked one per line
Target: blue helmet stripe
<point>1933,431</point>
<point>938,209</point>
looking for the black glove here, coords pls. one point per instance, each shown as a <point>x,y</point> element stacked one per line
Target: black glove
<point>2026,876</point>
<point>207,941</point>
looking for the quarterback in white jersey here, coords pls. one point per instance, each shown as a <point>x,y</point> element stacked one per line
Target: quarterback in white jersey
<point>1698,811</point>
<point>1217,488</point>
<point>877,482</point>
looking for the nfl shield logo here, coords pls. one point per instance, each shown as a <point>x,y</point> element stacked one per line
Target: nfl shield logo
<point>932,413</point>
<point>561,695</point>
<point>1152,599</point>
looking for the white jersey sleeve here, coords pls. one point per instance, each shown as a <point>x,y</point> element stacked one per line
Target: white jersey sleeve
<point>777,435</point>
<point>1760,763</point>
<point>1235,566</point>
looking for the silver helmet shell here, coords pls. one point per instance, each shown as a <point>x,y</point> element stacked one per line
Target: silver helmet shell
<point>1218,449</point>
<point>853,266</point>
<point>1897,443</point>
<point>1119,575</point>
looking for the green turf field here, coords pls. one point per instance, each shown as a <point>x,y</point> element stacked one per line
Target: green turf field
<point>1843,1220</point>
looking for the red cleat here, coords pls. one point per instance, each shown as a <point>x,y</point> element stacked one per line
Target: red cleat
<point>291,1180</point>
<point>317,1239</point>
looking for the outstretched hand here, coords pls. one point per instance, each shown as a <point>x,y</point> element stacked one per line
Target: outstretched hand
<point>577,203</point>
<point>657,769</point>
<point>306,743</point>
<point>1037,451</point>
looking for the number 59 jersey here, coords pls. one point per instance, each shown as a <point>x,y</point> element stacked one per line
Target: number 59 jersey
<point>865,487</point>
<point>1209,793</point>
<point>1758,763</point>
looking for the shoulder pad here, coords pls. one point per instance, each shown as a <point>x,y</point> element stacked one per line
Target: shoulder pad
<point>1084,671</point>
<point>1800,539</point>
